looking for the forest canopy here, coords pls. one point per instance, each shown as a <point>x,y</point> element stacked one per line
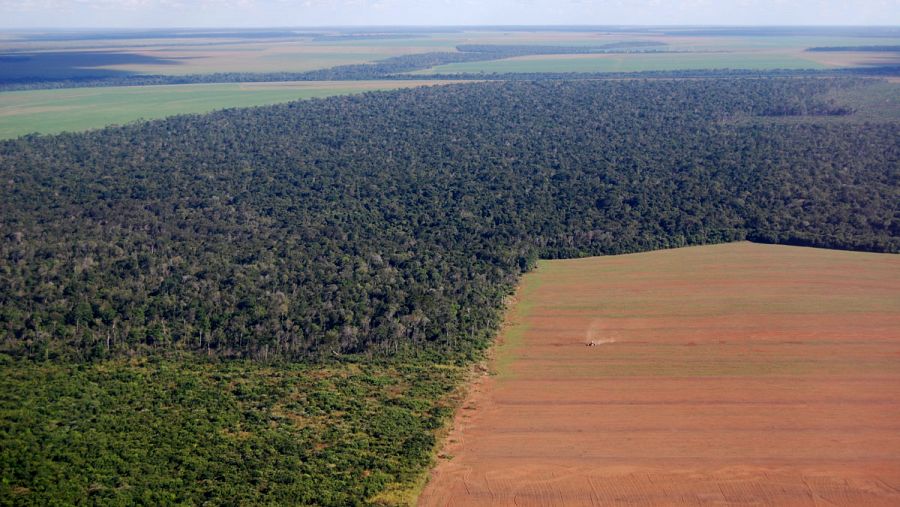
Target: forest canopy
<point>399,221</point>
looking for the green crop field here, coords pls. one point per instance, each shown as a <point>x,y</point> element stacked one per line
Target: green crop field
<point>76,109</point>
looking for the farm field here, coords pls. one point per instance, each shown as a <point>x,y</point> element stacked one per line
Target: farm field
<point>271,57</point>
<point>738,374</point>
<point>116,55</point>
<point>634,62</point>
<point>687,52</point>
<point>208,55</point>
<point>77,109</point>
<point>180,53</point>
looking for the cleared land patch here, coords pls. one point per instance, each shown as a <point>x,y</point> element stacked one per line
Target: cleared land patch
<point>738,374</point>
<point>76,109</point>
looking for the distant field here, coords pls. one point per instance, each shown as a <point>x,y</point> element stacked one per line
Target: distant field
<point>186,59</point>
<point>776,42</point>
<point>53,111</point>
<point>633,63</point>
<point>204,56</point>
<point>854,58</point>
<point>277,57</point>
<point>739,374</point>
<point>693,52</point>
<point>210,54</point>
<point>86,55</point>
<point>776,52</point>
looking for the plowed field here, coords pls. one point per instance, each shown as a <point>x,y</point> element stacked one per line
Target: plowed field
<point>738,374</point>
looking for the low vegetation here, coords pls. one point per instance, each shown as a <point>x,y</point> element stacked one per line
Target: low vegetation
<point>165,431</point>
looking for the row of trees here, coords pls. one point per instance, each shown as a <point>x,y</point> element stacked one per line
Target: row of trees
<point>397,221</point>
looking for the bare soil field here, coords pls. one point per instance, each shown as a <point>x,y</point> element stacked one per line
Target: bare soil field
<point>738,374</point>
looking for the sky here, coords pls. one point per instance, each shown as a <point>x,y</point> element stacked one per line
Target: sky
<point>309,13</point>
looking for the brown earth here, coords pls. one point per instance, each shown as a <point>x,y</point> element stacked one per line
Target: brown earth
<point>738,374</point>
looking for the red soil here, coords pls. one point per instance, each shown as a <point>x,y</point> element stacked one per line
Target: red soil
<point>737,374</point>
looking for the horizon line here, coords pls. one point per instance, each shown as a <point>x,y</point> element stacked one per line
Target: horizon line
<point>394,26</point>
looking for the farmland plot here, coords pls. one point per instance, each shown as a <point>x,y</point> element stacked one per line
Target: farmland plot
<point>738,374</point>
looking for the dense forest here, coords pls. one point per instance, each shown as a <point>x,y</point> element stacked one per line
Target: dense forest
<point>397,222</point>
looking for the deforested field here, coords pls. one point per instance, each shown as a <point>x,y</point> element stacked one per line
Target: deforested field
<point>738,374</point>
